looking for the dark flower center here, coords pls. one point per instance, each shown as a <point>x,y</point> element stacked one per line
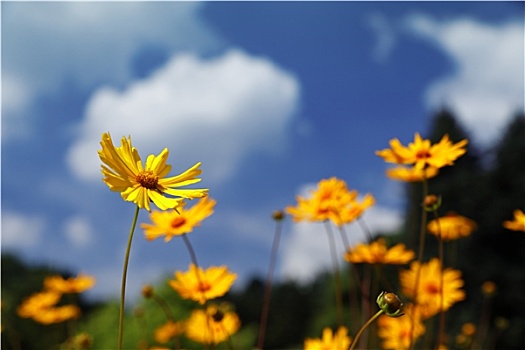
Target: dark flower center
<point>178,222</point>
<point>148,179</point>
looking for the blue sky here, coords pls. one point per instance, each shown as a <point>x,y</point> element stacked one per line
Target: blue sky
<point>271,97</point>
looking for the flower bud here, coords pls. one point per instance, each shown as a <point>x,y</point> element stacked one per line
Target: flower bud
<point>147,291</point>
<point>278,215</point>
<point>390,304</point>
<point>431,202</point>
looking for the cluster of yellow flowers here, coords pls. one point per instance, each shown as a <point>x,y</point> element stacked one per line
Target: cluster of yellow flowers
<point>430,287</point>
<point>43,306</point>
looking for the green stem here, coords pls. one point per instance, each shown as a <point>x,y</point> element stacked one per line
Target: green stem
<point>124,275</point>
<point>363,328</point>
<point>337,276</point>
<point>442,263</point>
<point>268,285</point>
<point>421,249</point>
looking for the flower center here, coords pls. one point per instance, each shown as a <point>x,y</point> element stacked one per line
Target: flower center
<point>203,287</point>
<point>432,289</point>
<point>178,222</point>
<point>423,154</point>
<point>148,179</point>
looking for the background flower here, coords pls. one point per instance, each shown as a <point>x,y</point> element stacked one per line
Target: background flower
<point>451,226</point>
<point>518,223</point>
<point>212,325</point>
<point>378,253</point>
<point>329,341</point>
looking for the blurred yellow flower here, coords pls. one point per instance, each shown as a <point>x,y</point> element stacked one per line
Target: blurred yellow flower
<point>411,174</point>
<point>489,288</point>
<point>70,285</point>
<point>468,329</point>
<point>428,295</point>
<point>212,325</point>
<point>37,302</point>
<point>123,172</point>
<point>57,314</point>
<point>422,153</point>
<point>332,200</point>
<point>168,331</point>
<point>329,341</point>
<point>378,253</point>
<point>452,226</point>
<point>397,331</point>
<point>518,223</point>
<point>199,285</point>
<point>179,221</point>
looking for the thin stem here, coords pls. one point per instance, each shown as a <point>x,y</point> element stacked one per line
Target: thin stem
<point>365,229</point>
<point>268,285</point>
<point>442,262</point>
<point>337,277</point>
<point>193,256</point>
<point>363,328</point>
<point>124,276</point>
<point>421,249</point>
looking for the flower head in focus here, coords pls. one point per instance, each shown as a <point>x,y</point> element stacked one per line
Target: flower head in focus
<point>451,226</point>
<point>422,153</point>
<point>329,341</point>
<point>201,285</point>
<point>212,325</point>
<point>378,253</point>
<point>428,295</point>
<point>518,223</point>
<point>178,221</point>
<point>123,172</point>
<point>70,285</point>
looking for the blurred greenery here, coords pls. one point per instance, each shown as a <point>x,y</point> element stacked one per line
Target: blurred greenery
<point>486,187</point>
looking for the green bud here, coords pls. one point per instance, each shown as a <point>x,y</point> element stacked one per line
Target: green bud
<point>390,304</point>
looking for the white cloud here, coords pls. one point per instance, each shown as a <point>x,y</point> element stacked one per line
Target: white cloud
<point>21,230</point>
<point>487,85</point>
<point>306,251</point>
<point>385,37</point>
<point>216,111</point>
<point>87,43</point>
<point>78,231</point>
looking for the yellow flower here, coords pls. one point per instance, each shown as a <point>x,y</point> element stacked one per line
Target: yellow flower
<point>332,200</point>
<point>518,224</point>
<point>422,153</point>
<point>37,302</point>
<point>123,172</point>
<point>179,221</point>
<point>452,226</point>
<point>428,295</point>
<point>397,331</point>
<point>212,325</point>
<point>468,329</point>
<point>330,341</point>
<point>377,253</point>
<point>168,331</point>
<point>71,285</point>
<point>402,173</point>
<point>57,314</point>
<point>200,285</point>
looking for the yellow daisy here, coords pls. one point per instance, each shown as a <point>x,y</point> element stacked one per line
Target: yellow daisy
<point>378,253</point>
<point>212,325</point>
<point>199,285</point>
<point>123,172</point>
<point>77,284</point>
<point>37,302</point>
<point>168,331</point>
<point>179,221</point>
<point>397,331</point>
<point>57,314</point>
<point>428,294</point>
<point>451,226</point>
<point>518,224</point>
<point>422,153</point>
<point>329,341</point>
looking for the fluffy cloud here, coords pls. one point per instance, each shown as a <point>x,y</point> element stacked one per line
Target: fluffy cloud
<point>385,37</point>
<point>306,251</point>
<point>216,111</point>
<point>86,43</point>
<point>487,85</point>
<point>78,231</point>
<point>21,230</point>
